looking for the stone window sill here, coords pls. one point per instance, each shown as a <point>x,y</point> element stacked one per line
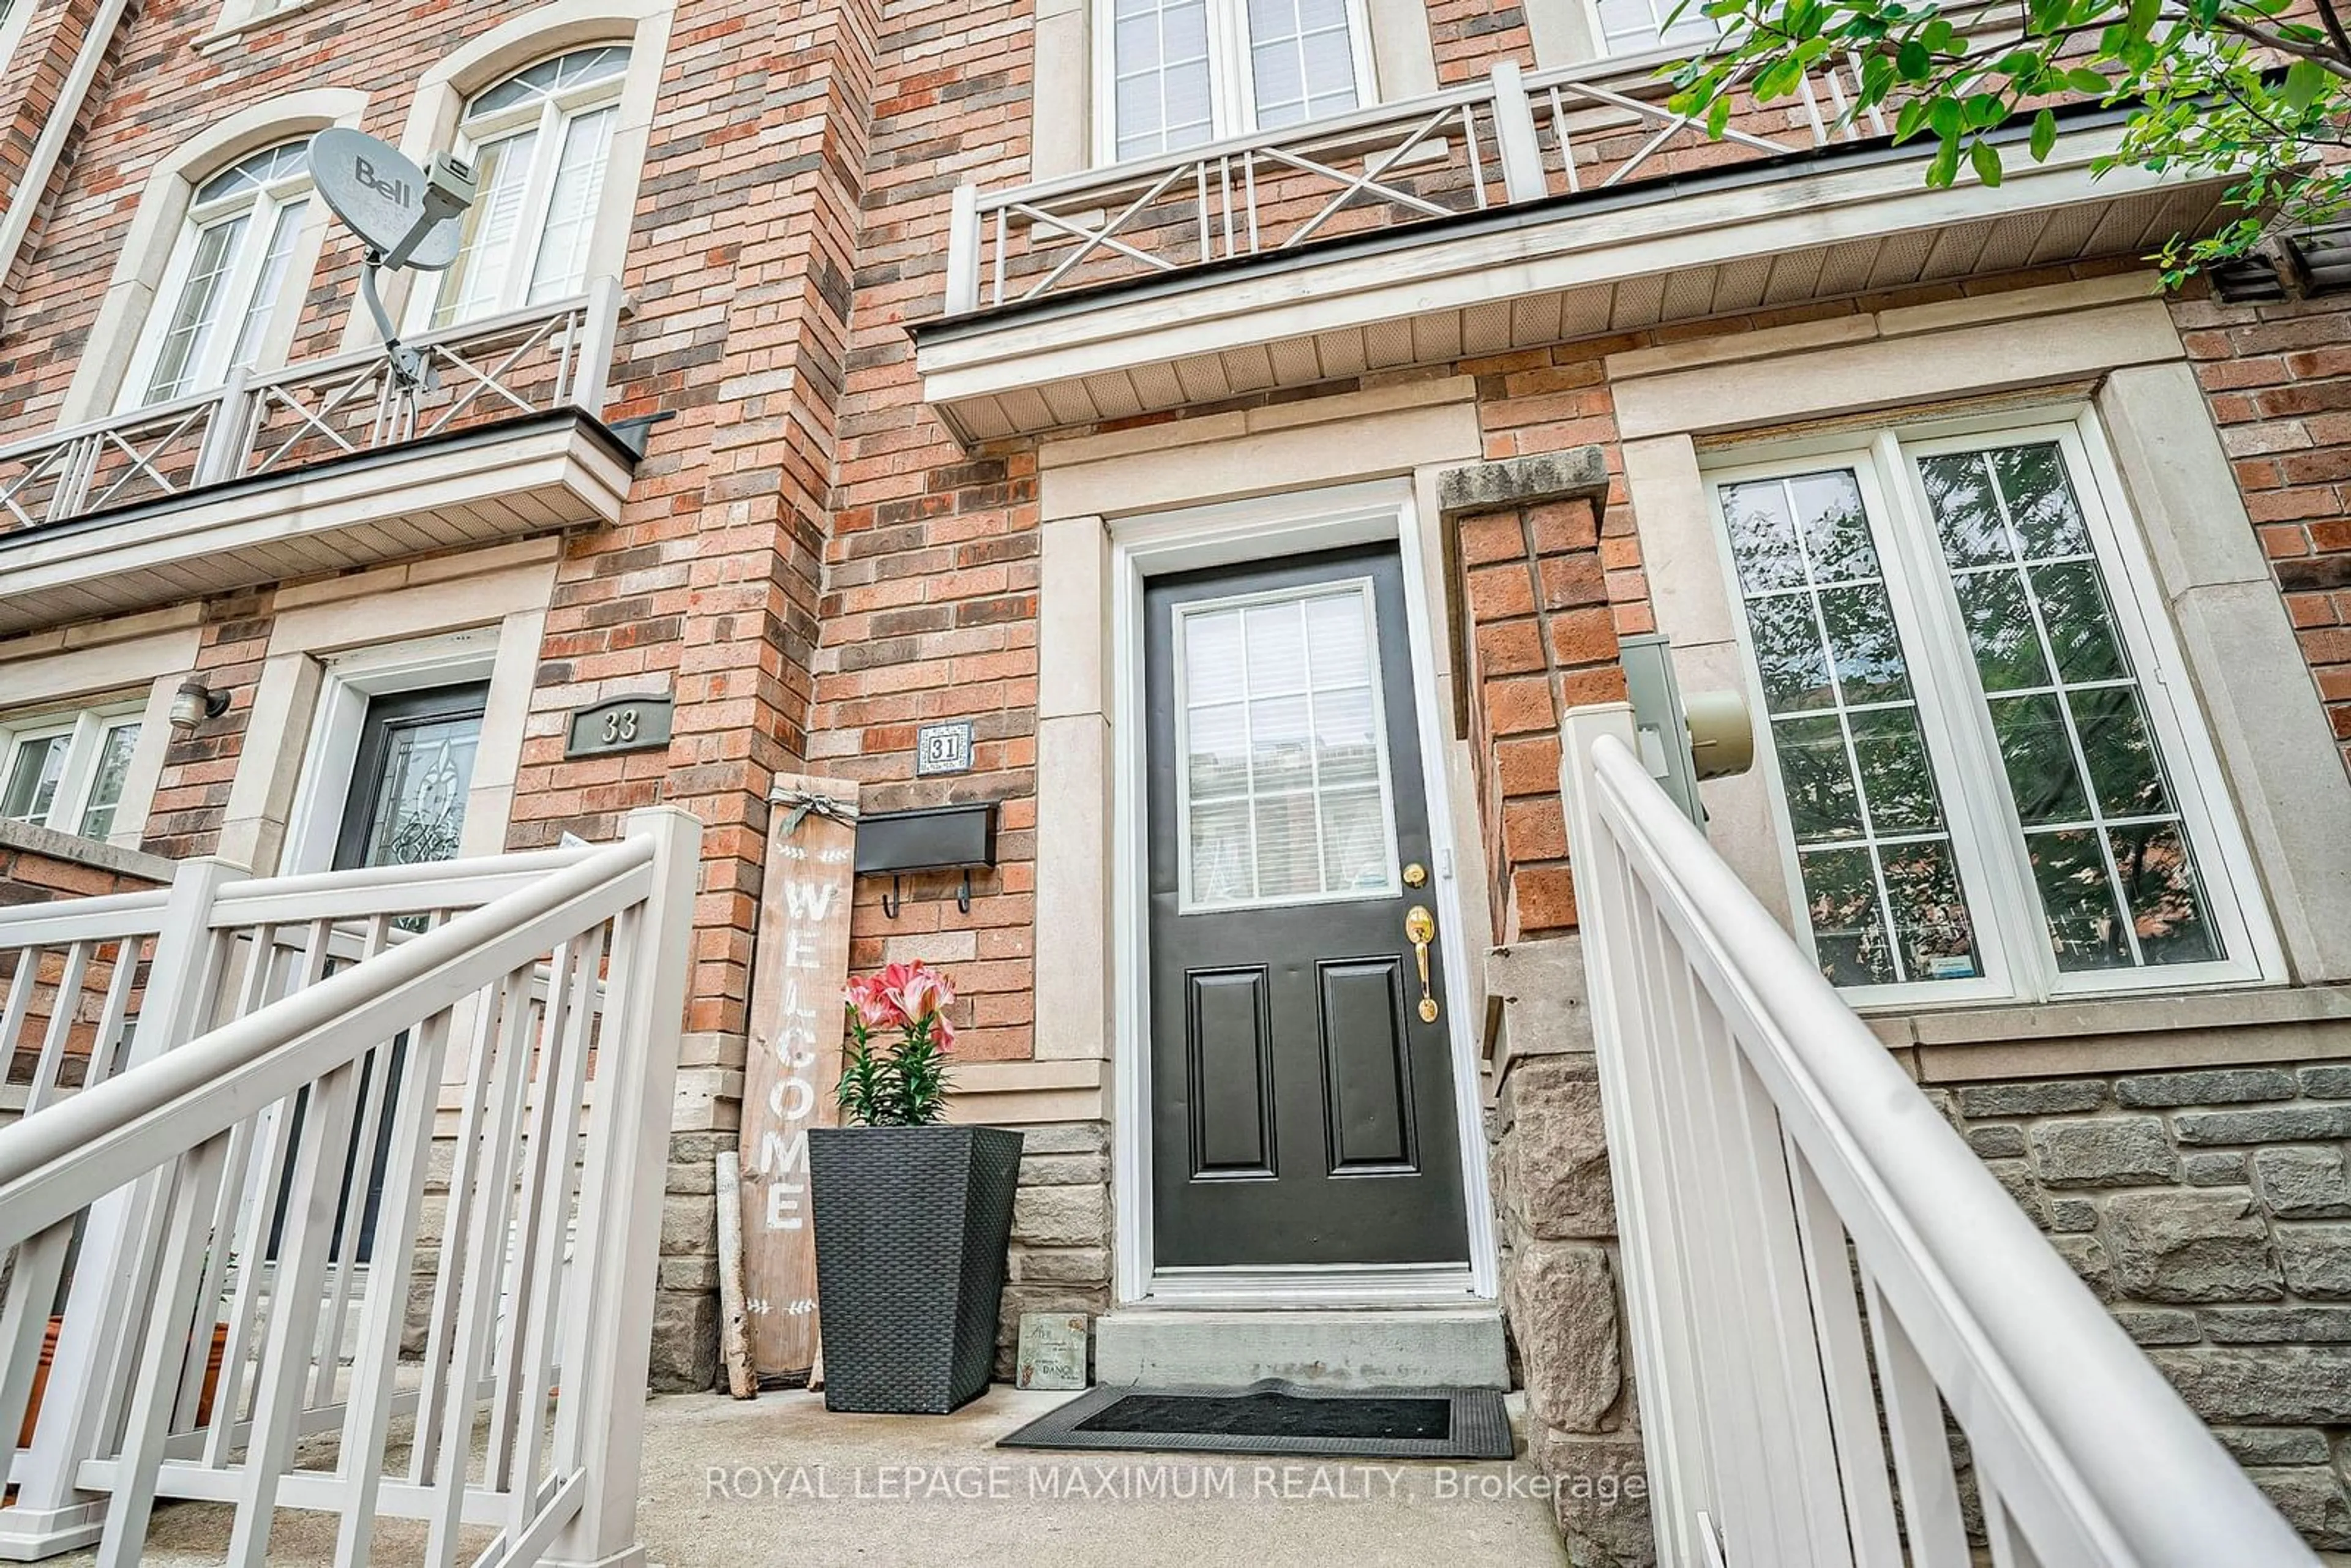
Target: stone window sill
<point>2193,1029</point>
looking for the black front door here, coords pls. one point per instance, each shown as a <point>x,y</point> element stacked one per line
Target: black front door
<point>1302,1083</point>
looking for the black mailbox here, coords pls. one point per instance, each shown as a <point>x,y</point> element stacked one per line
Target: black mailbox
<point>931,838</point>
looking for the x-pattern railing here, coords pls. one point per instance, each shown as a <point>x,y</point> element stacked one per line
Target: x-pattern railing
<point>1591,112</point>
<point>524,364</point>
<point>1511,137</point>
<point>154,452</point>
<point>1246,197</point>
<point>527,362</point>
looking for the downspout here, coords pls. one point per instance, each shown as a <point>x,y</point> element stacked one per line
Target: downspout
<point>16,220</point>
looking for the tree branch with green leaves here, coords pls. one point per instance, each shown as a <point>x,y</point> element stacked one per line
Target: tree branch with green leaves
<point>2254,92</point>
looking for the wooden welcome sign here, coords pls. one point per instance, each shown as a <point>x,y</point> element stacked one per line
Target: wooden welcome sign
<point>798,969</point>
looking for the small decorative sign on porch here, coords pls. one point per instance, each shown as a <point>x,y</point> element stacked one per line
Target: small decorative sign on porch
<point>799,965</point>
<point>619,724</point>
<point>1052,1349</point>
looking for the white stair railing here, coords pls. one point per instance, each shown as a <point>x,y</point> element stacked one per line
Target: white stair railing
<point>1811,1249</point>
<point>217,1219</point>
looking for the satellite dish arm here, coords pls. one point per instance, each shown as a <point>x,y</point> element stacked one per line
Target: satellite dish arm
<point>407,364</point>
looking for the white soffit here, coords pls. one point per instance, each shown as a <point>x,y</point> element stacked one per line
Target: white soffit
<point>394,505</point>
<point>1568,275</point>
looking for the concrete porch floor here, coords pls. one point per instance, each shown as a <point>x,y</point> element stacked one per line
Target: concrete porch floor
<point>779,1481</point>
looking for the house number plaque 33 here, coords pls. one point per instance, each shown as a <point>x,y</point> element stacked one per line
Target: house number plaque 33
<point>618,724</point>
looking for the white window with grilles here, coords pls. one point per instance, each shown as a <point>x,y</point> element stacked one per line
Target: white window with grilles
<point>66,769</point>
<point>539,143</point>
<point>1990,783</point>
<point>1175,73</point>
<point>230,278</point>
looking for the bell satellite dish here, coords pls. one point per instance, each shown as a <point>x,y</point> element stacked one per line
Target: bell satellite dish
<point>406,216</point>
<point>403,216</point>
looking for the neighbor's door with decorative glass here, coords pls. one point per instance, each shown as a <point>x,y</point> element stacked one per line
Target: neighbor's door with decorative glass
<point>406,805</point>
<point>1986,787</point>
<point>1303,1108</point>
<point>409,781</point>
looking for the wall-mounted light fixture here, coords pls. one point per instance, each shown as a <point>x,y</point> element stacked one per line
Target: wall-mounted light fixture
<point>193,702</point>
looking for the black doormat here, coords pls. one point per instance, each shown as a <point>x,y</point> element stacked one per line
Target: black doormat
<point>1277,1418</point>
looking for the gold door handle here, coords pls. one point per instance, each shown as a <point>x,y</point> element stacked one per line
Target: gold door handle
<point>1419,927</point>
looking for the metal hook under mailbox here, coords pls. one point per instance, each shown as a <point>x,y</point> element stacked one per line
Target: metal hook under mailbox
<point>894,900</point>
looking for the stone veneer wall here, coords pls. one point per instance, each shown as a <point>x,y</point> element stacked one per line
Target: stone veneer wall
<point>1060,1261</point>
<point>1060,1230</point>
<point>2210,1210</point>
<point>1562,1299</point>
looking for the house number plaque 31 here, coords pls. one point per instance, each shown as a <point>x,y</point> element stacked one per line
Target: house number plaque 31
<point>618,724</point>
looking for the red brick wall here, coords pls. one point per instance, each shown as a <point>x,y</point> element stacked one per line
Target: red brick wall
<point>27,876</point>
<point>930,602</point>
<point>1542,639</point>
<point>31,81</point>
<point>2278,379</point>
<point>199,768</point>
<point>1469,37</point>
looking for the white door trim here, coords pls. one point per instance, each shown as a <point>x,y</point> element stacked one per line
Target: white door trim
<point>1225,534</point>
<point>457,658</point>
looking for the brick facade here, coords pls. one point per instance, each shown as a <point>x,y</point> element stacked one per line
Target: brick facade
<point>815,567</point>
<point>2278,377</point>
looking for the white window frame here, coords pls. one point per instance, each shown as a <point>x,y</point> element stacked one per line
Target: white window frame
<point>1987,836</point>
<point>1232,87</point>
<point>88,728</point>
<point>1186,903</point>
<point>1654,41</point>
<point>551,114</point>
<point>262,208</point>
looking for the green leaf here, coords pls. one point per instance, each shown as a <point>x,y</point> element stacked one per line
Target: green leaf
<point>1945,115</point>
<point>2084,80</point>
<point>1986,159</point>
<point>2303,80</point>
<point>1946,166</point>
<point>1780,79</point>
<point>2044,135</point>
<point>1912,60</point>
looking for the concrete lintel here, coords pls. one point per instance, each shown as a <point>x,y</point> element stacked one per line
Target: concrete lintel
<point>1579,472</point>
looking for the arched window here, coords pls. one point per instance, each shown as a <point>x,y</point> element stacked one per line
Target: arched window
<point>228,277</point>
<point>538,143</point>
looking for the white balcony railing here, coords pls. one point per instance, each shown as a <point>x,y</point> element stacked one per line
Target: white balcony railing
<point>1820,1275</point>
<point>218,1199</point>
<point>1511,138</point>
<point>544,356</point>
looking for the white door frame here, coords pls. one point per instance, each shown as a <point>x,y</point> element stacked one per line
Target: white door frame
<point>1230,533</point>
<point>315,823</point>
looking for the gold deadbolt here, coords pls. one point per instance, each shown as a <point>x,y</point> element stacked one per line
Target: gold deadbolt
<point>1415,875</point>
<point>1419,929</point>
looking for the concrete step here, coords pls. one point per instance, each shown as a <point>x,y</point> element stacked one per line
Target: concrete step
<point>1402,1347</point>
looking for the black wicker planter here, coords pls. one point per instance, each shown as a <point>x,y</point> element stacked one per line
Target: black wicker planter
<point>911,1229</point>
